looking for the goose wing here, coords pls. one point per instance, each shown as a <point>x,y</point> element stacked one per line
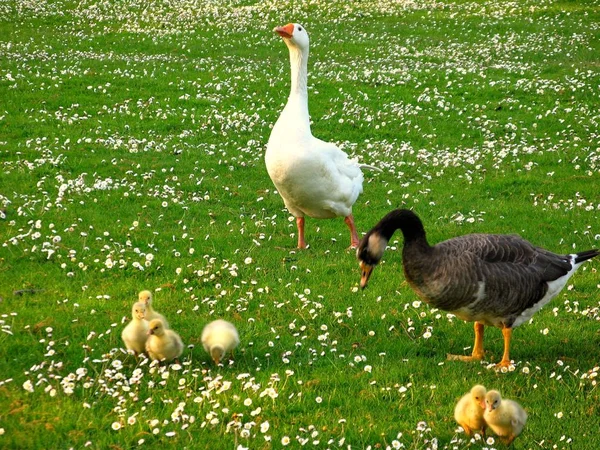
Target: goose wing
<point>490,278</point>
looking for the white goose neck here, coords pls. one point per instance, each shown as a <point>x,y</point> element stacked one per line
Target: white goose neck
<point>299,66</point>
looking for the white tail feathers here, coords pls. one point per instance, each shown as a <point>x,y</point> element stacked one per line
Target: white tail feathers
<point>366,166</point>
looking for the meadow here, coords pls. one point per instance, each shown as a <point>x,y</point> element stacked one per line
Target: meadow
<point>132,139</point>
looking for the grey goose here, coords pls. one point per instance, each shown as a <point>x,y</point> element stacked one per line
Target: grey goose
<point>491,279</point>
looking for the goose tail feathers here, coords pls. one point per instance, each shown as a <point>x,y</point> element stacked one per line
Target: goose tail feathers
<point>584,256</point>
<point>373,168</point>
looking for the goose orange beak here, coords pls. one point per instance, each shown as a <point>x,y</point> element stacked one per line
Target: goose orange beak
<point>365,273</point>
<point>286,31</point>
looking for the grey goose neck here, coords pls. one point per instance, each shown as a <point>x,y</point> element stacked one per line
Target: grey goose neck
<point>405,220</point>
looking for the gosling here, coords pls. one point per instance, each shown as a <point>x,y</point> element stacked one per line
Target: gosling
<point>218,338</point>
<point>135,334</point>
<point>163,344</point>
<point>505,417</point>
<point>469,410</point>
<point>146,297</point>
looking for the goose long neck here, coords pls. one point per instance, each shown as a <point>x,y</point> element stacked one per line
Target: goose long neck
<point>299,66</point>
<point>410,225</point>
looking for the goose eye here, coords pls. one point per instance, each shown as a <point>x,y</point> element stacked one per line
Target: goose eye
<point>299,28</point>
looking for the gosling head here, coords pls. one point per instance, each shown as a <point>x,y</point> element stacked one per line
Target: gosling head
<point>145,297</point>
<point>138,311</point>
<point>216,353</point>
<point>492,400</point>
<point>478,393</point>
<point>156,327</point>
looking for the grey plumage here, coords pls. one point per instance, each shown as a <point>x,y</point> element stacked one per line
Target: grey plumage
<point>492,279</point>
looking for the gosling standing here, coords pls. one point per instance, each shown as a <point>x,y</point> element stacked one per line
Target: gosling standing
<point>470,408</point>
<point>135,334</point>
<point>505,417</point>
<point>151,314</point>
<point>218,338</point>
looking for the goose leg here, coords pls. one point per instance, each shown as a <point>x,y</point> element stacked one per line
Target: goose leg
<point>478,346</point>
<point>477,354</point>
<point>300,224</point>
<point>353,234</point>
<point>507,333</point>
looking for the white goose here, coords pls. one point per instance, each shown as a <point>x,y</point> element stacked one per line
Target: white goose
<point>314,178</point>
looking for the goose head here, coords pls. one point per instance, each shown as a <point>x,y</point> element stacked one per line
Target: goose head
<point>369,253</point>
<point>138,311</point>
<point>294,35</point>
<point>492,400</point>
<point>156,328</point>
<point>373,244</point>
<point>478,393</point>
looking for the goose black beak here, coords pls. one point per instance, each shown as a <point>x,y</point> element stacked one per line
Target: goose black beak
<point>365,273</point>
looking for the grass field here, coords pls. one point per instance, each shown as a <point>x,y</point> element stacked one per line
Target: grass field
<point>132,138</point>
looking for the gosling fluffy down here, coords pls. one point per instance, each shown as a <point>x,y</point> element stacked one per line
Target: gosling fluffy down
<point>470,408</point>
<point>146,297</point>
<point>506,418</point>
<point>135,334</point>
<point>218,338</point>
<point>163,344</point>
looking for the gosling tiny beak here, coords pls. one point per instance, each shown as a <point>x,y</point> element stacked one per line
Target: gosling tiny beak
<point>365,273</point>
<point>150,332</point>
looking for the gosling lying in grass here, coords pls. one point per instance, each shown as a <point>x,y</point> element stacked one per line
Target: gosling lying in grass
<point>163,344</point>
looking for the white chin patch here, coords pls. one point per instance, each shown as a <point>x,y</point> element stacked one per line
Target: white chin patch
<point>377,245</point>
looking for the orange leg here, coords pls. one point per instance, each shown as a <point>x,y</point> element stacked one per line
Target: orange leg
<point>353,234</point>
<point>477,354</point>
<point>478,346</point>
<point>300,224</point>
<point>507,333</point>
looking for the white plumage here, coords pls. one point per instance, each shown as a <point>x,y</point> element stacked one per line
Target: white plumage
<point>470,408</point>
<point>163,344</point>
<point>506,418</point>
<point>314,178</point>
<point>135,334</point>
<point>151,314</point>
<point>218,338</point>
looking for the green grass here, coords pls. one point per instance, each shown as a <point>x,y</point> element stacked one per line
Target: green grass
<point>136,128</point>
